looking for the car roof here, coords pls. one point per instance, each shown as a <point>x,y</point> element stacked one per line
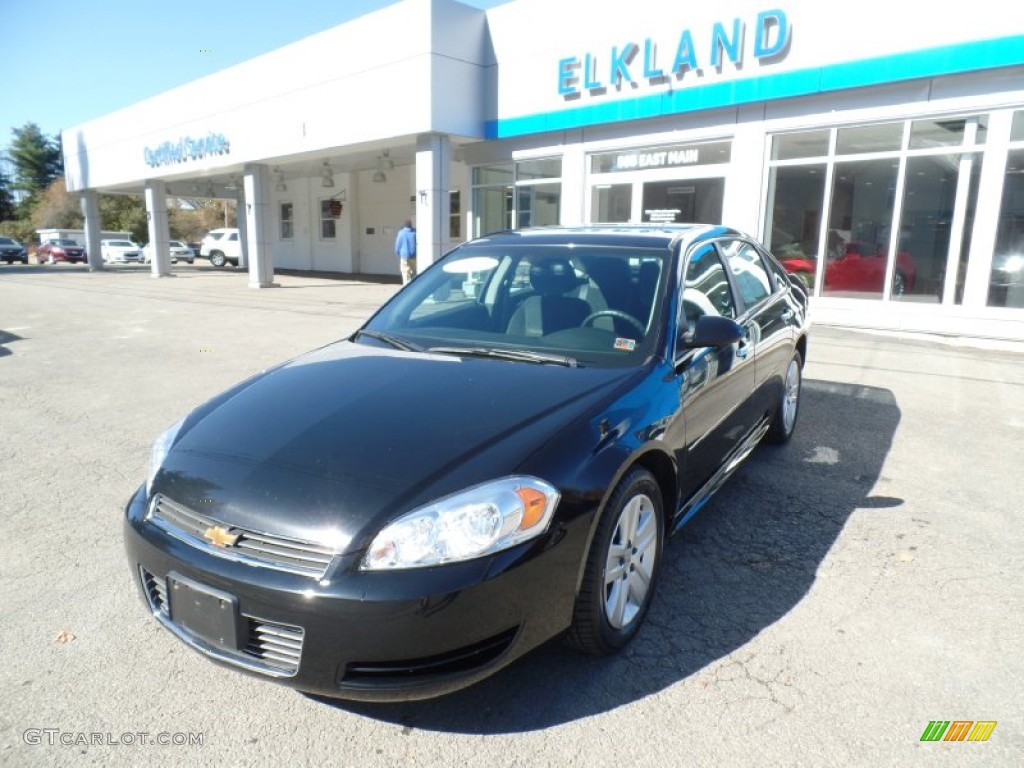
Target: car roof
<point>631,235</point>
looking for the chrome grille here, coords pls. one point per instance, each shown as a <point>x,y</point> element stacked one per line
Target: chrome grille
<point>156,591</point>
<point>256,548</point>
<point>271,648</point>
<point>276,645</point>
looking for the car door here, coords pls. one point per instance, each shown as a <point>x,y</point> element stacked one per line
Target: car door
<point>767,315</point>
<point>714,383</point>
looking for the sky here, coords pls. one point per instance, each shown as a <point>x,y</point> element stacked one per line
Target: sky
<point>70,61</point>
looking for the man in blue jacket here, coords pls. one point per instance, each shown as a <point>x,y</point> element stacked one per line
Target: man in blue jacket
<point>405,249</point>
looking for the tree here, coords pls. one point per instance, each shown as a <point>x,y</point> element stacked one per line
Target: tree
<point>125,213</point>
<point>56,209</point>
<point>36,158</point>
<point>7,207</point>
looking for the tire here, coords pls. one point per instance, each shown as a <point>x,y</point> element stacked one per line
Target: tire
<point>899,284</point>
<point>622,567</point>
<point>217,259</point>
<point>191,261</point>
<point>788,408</point>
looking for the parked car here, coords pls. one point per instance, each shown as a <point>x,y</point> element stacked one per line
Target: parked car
<point>11,251</point>
<point>60,249</point>
<point>122,251</point>
<point>405,511</point>
<point>178,251</point>
<point>222,246</point>
<point>860,268</point>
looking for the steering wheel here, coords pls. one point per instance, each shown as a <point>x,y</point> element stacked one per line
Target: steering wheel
<point>615,313</point>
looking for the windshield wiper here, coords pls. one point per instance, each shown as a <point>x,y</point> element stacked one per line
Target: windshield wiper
<point>520,355</point>
<point>387,338</point>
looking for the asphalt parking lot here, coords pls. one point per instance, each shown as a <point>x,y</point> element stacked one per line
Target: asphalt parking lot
<point>834,598</point>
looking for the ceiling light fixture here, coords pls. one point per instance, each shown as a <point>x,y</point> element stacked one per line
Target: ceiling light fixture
<point>326,175</point>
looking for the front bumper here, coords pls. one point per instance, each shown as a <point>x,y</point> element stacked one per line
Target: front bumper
<point>385,636</point>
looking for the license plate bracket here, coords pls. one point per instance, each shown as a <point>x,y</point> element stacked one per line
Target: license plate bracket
<point>209,614</point>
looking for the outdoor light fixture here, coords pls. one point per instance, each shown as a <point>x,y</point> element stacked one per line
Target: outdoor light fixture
<point>326,175</point>
<point>379,176</point>
<point>210,191</point>
<point>387,164</point>
<point>280,186</point>
<point>232,182</point>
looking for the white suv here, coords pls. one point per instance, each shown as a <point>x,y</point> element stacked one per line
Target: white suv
<point>221,246</point>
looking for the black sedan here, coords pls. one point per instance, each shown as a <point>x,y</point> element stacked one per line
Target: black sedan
<point>495,459</point>
<point>11,251</point>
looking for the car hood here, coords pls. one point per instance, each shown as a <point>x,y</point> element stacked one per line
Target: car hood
<point>343,439</point>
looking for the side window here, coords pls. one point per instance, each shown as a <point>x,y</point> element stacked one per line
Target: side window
<point>706,287</point>
<point>748,270</point>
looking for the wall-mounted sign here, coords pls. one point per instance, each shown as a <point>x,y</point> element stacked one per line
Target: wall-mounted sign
<point>623,65</point>
<point>711,153</point>
<point>185,149</point>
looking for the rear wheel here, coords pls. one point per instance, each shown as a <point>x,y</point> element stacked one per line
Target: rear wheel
<point>217,259</point>
<point>784,420</point>
<point>622,567</point>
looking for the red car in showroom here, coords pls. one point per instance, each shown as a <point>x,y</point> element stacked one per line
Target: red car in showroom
<point>860,269</point>
<point>62,249</point>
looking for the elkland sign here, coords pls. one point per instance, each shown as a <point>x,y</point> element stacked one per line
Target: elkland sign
<point>627,64</point>
<point>186,148</point>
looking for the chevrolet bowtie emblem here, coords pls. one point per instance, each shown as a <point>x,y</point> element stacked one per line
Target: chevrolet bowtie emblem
<point>220,536</point>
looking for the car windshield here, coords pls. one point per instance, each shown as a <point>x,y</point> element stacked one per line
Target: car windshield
<point>176,244</point>
<point>582,304</point>
<point>7,241</point>
<point>63,241</point>
<point>121,243</point>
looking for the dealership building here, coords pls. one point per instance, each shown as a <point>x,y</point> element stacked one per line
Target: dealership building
<point>878,149</point>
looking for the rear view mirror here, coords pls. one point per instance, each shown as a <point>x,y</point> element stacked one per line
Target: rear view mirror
<point>713,331</point>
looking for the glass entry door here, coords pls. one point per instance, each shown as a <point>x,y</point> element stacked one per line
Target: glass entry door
<point>683,201</point>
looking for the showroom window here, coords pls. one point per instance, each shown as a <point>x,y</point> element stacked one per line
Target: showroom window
<point>890,206</point>
<point>454,215</point>
<point>1006,278</point>
<point>527,193</point>
<point>328,223</point>
<point>287,221</point>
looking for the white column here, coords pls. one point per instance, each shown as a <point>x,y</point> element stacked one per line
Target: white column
<point>574,180</point>
<point>258,226</point>
<point>239,222</point>
<point>91,213</point>
<point>433,182</point>
<point>986,215</point>
<point>156,217</point>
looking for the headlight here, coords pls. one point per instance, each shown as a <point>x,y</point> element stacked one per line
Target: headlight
<point>479,521</point>
<point>159,452</point>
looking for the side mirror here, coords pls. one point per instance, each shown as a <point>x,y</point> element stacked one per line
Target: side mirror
<point>713,331</point>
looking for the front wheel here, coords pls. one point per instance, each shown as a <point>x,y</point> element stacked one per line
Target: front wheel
<point>622,567</point>
<point>784,419</point>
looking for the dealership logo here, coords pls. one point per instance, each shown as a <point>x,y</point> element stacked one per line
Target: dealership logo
<point>185,149</point>
<point>630,62</point>
<point>958,730</point>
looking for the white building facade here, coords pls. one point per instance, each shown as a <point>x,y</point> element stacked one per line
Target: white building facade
<point>879,151</point>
